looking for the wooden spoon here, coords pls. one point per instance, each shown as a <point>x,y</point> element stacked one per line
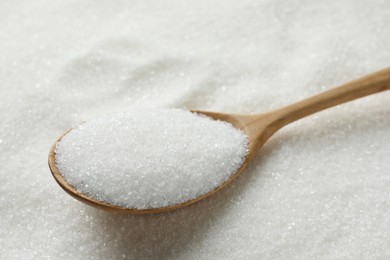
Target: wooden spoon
<point>259,128</point>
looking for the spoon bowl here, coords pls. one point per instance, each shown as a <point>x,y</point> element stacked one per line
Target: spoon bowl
<point>258,128</point>
<point>243,122</point>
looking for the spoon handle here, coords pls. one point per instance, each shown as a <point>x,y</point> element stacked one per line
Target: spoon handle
<point>370,84</point>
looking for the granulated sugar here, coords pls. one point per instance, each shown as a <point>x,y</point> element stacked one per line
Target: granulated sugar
<point>150,158</point>
<point>319,189</point>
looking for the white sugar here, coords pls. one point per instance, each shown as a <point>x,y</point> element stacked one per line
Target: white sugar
<point>319,189</point>
<point>150,158</point>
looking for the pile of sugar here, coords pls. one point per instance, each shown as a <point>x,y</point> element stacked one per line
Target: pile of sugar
<point>147,159</point>
<point>318,189</point>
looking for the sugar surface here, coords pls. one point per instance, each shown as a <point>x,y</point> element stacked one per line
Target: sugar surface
<point>318,190</point>
<point>147,159</point>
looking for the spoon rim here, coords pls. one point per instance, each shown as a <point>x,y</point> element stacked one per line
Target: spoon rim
<point>67,187</point>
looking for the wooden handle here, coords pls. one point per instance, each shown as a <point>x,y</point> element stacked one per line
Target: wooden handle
<point>373,83</point>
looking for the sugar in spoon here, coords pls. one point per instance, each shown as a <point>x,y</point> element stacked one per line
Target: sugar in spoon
<point>259,128</point>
